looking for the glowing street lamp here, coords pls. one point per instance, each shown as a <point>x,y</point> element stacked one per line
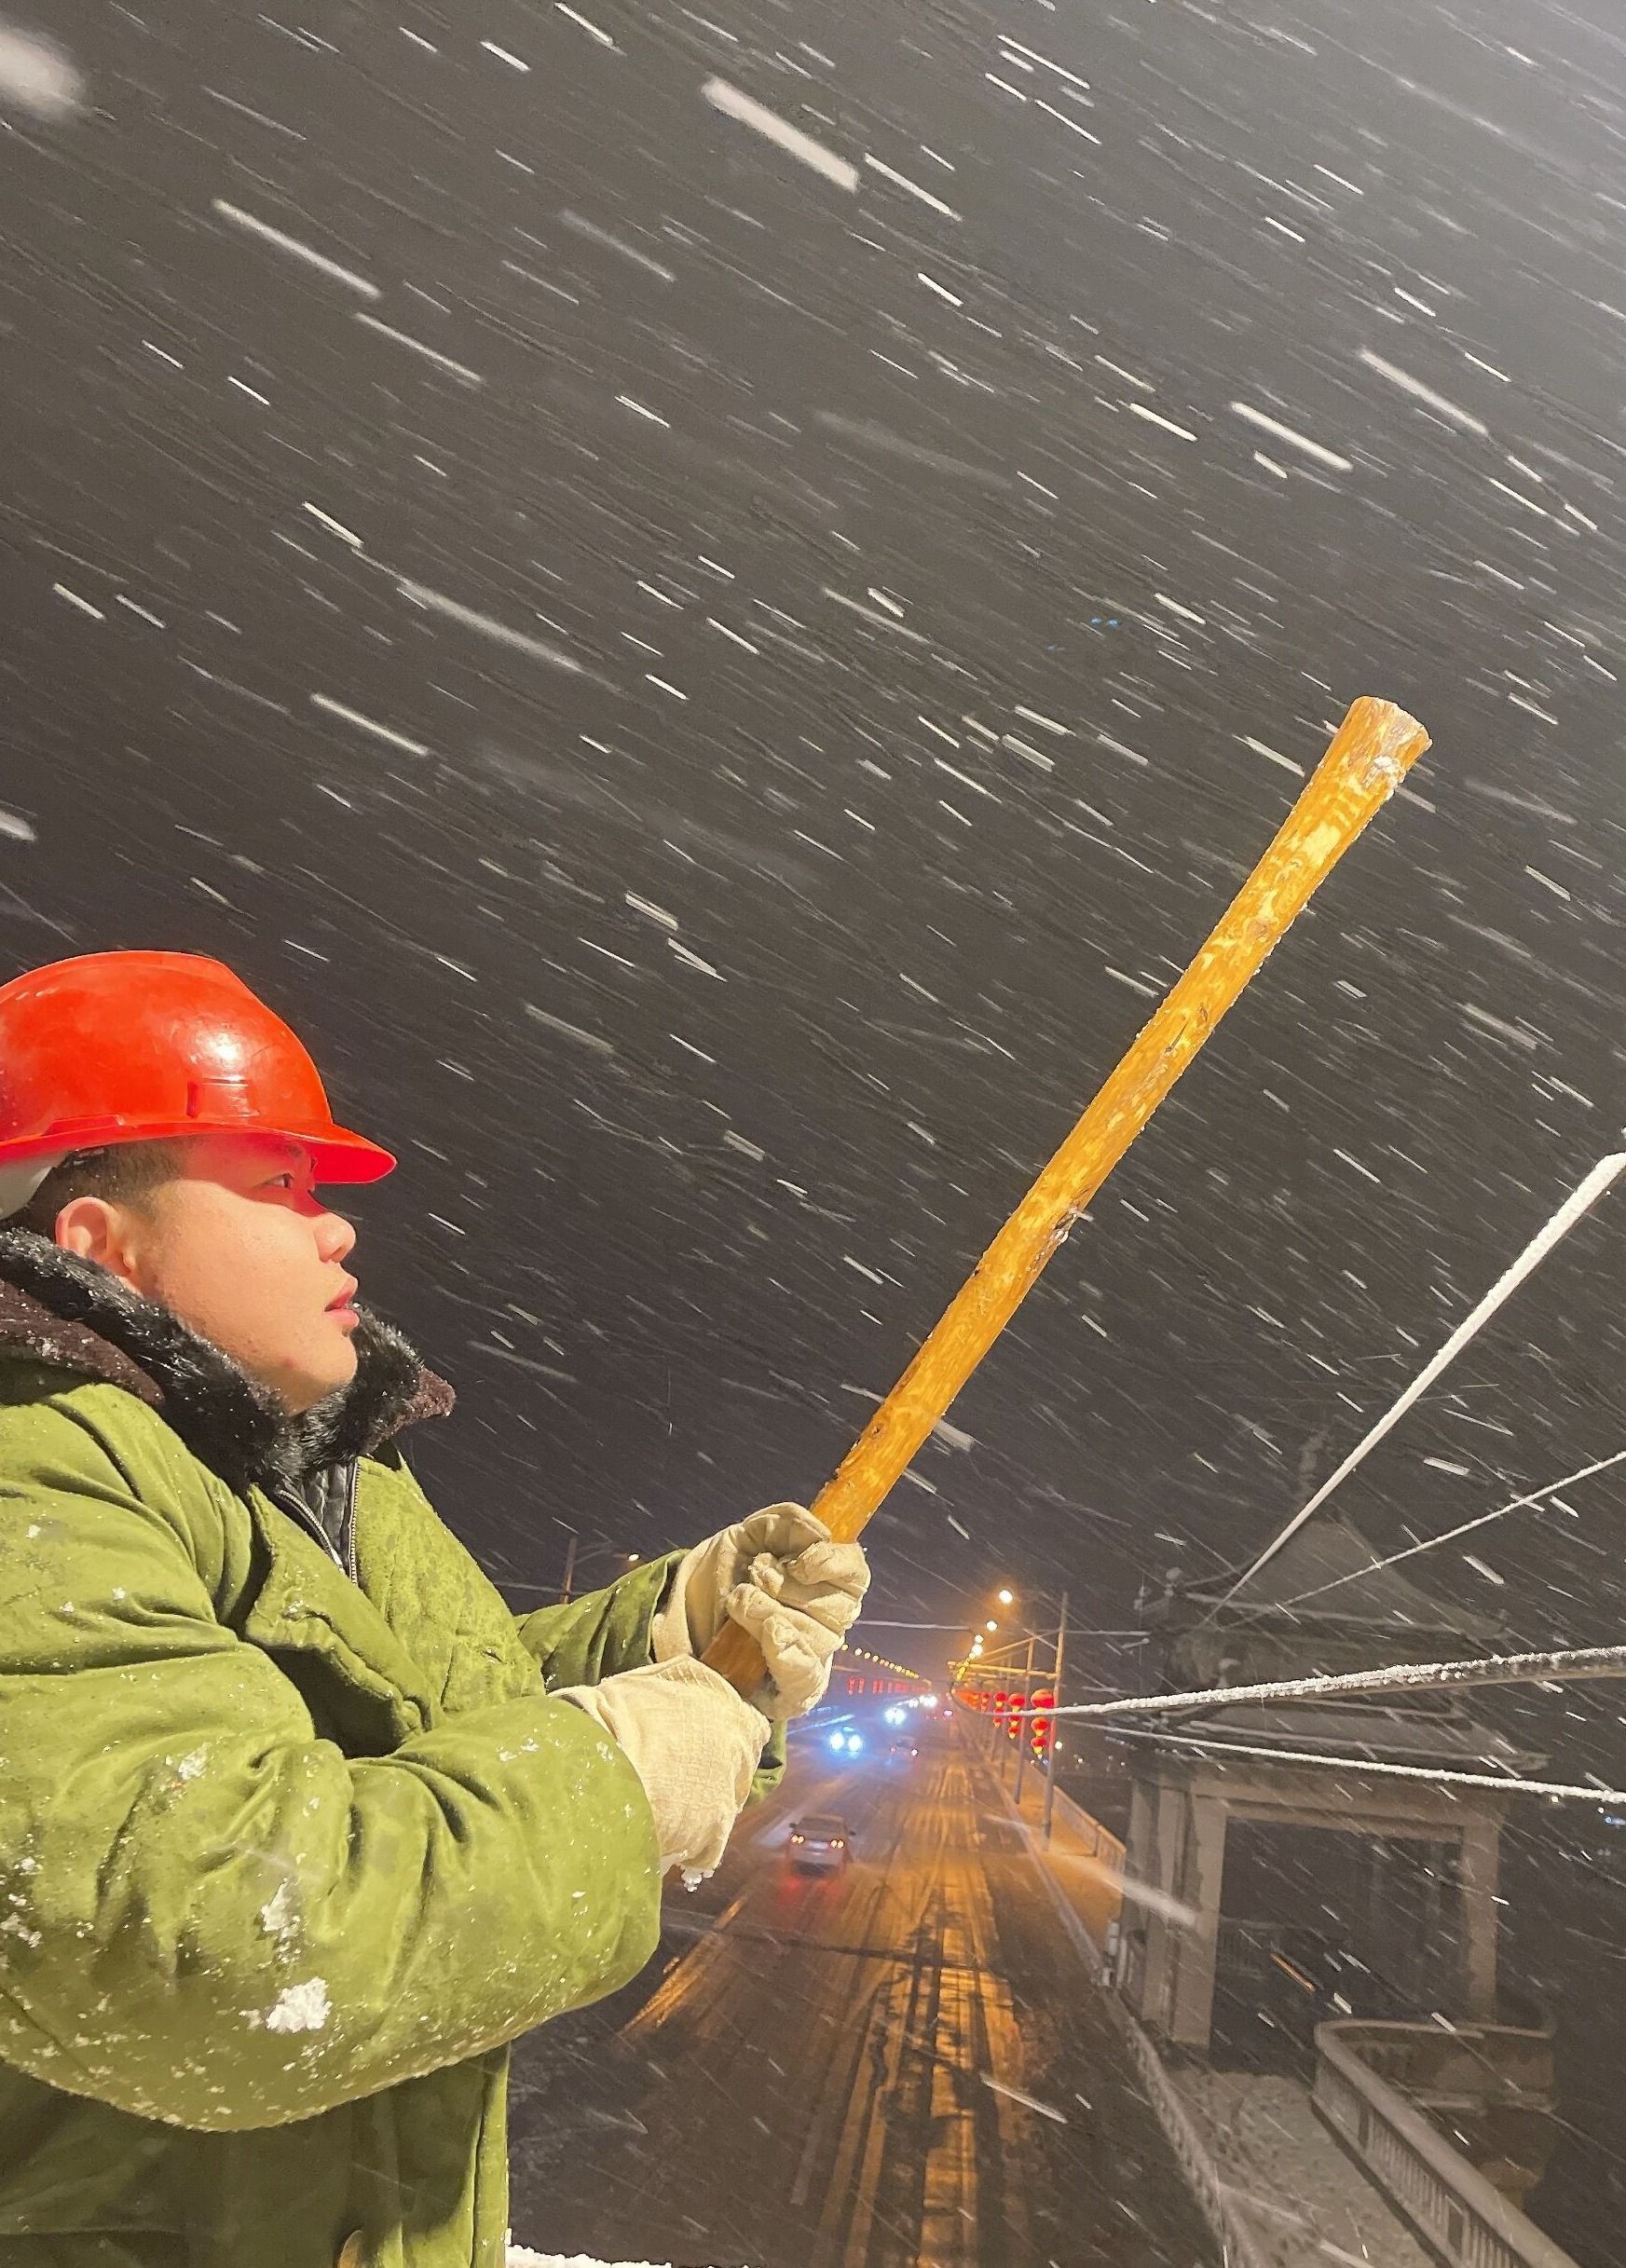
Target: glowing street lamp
<point>1007,1598</point>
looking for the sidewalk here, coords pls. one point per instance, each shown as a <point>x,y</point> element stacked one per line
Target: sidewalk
<point>1276,2186</point>
<point>1084,1860</point>
<point>1303,2196</point>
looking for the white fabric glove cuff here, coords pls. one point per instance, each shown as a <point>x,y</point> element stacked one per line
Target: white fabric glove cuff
<point>693,1742</point>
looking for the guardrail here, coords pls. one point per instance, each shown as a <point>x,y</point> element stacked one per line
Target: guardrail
<point>1470,2224</point>
<point>1220,2205</point>
<point>1467,2065</point>
<point>1102,1843</point>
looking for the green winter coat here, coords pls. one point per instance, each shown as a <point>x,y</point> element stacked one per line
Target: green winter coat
<point>292,1841</point>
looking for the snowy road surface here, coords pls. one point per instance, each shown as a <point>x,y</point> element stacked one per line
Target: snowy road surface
<point>903,2064</point>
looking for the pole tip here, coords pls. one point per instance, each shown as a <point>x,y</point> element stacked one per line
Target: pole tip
<point>1380,741</point>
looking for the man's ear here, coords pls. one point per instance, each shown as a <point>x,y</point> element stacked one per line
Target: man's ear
<point>92,1228</point>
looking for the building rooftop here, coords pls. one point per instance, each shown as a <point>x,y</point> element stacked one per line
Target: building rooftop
<point>1328,1576</point>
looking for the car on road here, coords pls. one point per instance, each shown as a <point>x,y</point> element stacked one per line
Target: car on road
<point>820,1843</point>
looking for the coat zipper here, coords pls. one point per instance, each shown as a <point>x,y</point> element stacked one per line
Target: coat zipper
<point>343,1554</point>
<point>348,1524</point>
<point>309,1522</point>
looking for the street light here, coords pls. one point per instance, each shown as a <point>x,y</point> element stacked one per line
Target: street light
<point>1007,1597</point>
<point>573,1559</point>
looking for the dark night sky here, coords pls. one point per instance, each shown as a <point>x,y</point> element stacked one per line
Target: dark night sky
<point>725,943</point>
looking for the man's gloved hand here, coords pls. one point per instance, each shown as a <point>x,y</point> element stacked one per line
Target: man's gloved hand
<point>779,1575</point>
<point>694,1744</point>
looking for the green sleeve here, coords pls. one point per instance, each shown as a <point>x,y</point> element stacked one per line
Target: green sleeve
<point>600,1633</point>
<point>608,1631</point>
<point>770,1771</point>
<point>213,1917</point>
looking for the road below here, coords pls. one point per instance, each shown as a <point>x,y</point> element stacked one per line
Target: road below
<point>902,2063</point>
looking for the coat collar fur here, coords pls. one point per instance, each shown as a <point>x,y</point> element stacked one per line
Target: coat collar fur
<point>60,1310</point>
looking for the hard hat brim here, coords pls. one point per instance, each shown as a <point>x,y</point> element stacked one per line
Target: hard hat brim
<point>337,1153</point>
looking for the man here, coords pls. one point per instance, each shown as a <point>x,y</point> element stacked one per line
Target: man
<point>299,1825</point>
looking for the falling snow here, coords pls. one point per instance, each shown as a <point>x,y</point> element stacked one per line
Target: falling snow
<point>716,601</point>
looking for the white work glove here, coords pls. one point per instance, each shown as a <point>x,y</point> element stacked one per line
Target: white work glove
<point>779,1576</point>
<point>694,1744</point>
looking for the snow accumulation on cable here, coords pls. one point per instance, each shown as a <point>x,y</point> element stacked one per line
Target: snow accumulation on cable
<point>520,2256</point>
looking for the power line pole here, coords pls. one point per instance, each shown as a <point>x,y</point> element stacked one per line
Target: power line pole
<point>1055,1720</point>
<point>1024,1722</point>
<point>569,1571</point>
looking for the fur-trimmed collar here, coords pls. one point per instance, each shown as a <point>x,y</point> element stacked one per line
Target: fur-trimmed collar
<point>61,1309</point>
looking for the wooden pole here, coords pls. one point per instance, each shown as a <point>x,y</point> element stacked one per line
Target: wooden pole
<point>1369,755</point>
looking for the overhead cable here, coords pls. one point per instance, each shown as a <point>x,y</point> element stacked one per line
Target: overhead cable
<point>1579,1201</point>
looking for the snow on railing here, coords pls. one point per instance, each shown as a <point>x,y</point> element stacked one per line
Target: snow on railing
<point>1469,2223</point>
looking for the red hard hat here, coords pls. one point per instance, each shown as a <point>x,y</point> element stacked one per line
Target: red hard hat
<point>116,1047</point>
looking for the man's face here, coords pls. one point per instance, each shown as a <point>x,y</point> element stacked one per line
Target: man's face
<point>239,1247</point>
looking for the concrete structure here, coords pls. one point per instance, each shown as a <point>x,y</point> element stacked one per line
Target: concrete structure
<point>1400,2096</point>
<point>1389,1884</point>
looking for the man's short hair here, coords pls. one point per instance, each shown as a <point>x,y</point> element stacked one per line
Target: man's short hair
<point>123,1173</point>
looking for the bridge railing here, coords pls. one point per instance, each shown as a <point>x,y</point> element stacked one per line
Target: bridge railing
<point>1100,1843</point>
<point>1470,2224</point>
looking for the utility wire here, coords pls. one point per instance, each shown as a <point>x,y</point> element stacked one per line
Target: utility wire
<point>1519,1504</point>
<point>1562,1668</point>
<point>1505,1785</point>
<point>1579,1201</point>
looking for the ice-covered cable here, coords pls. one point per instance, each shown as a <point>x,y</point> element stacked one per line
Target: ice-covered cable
<point>1433,1543</point>
<point>1562,1668</point>
<point>1438,1777</point>
<point>1579,1202</point>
